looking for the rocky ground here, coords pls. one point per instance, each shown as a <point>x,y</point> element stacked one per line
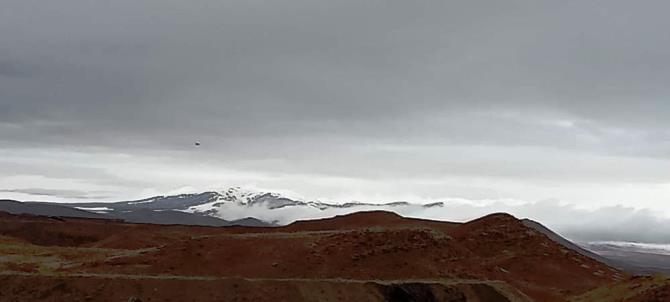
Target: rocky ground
<point>369,256</point>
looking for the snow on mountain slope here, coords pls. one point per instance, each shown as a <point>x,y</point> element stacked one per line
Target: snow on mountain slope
<point>242,198</point>
<point>236,202</point>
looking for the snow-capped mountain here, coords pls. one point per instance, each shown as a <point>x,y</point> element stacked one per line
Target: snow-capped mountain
<point>271,201</point>
<point>237,202</point>
<point>234,204</point>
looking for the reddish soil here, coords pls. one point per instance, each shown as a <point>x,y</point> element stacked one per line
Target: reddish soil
<point>657,294</point>
<point>369,256</point>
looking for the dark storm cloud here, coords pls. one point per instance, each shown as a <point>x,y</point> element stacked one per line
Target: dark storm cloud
<point>133,71</point>
<point>528,99</point>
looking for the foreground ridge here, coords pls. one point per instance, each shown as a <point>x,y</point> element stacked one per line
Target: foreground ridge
<point>366,256</point>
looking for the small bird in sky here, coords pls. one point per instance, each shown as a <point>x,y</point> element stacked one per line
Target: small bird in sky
<point>197,144</point>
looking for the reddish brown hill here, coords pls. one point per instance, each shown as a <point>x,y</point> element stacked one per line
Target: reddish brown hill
<point>634,289</point>
<point>366,219</point>
<point>374,256</point>
<point>526,258</point>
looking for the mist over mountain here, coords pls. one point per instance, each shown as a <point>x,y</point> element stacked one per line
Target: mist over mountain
<point>238,206</point>
<point>616,223</point>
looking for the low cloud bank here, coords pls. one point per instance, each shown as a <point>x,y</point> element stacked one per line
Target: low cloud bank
<point>651,248</point>
<point>615,223</point>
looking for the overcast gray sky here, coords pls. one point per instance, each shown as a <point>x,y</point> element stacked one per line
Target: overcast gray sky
<point>495,101</point>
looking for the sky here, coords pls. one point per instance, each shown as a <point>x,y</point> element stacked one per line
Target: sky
<point>514,102</point>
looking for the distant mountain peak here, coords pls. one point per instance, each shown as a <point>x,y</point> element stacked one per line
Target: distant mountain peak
<point>238,194</point>
<point>239,202</point>
<point>248,197</point>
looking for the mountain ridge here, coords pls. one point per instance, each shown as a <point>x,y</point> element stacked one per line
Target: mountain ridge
<point>238,206</point>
